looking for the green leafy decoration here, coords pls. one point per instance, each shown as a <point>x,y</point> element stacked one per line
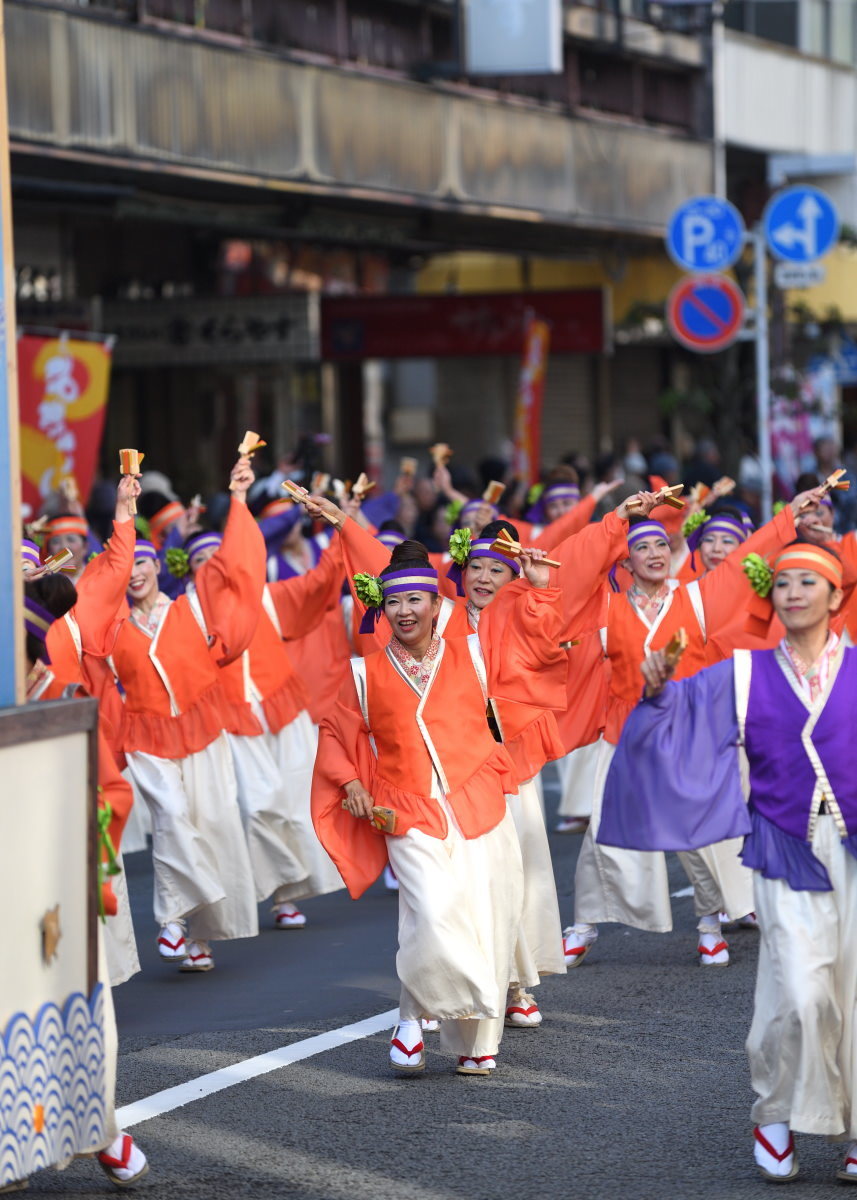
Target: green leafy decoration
<point>178,562</point>
<point>778,507</point>
<point>108,863</point>
<point>759,573</point>
<point>694,522</point>
<point>142,527</point>
<point>459,546</point>
<point>453,511</point>
<point>369,590</point>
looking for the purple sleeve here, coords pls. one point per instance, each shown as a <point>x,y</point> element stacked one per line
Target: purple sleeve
<point>275,528</point>
<point>674,783</point>
<point>378,509</point>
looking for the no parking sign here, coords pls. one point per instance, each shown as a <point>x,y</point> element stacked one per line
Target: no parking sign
<point>706,313</point>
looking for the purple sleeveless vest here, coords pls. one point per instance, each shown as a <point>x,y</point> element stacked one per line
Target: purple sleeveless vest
<point>782,779</point>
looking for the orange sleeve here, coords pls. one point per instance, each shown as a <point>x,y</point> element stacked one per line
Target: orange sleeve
<point>102,589</point>
<point>303,601</point>
<point>725,588</point>
<point>363,553</point>
<point>230,584</point>
<point>520,632</point>
<point>573,521</point>
<point>344,753</point>
<point>586,559</point>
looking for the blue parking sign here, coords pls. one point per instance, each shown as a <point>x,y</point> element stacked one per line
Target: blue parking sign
<point>801,224</point>
<point>705,234</point>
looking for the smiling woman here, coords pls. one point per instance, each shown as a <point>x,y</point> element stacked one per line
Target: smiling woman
<point>790,708</point>
<point>410,735</point>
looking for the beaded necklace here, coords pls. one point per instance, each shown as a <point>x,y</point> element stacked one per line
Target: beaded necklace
<point>419,670</point>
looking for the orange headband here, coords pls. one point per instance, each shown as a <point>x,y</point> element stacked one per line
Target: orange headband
<point>164,517</point>
<point>805,558</point>
<point>61,525</point>
<point>274,508</point>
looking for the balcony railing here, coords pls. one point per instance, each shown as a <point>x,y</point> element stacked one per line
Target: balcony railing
<point>108,90</point>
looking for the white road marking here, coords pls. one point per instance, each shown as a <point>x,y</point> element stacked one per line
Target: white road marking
<point>688,891</point>
<point>250,1068</point>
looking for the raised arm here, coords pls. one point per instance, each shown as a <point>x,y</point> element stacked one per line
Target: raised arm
<point>723,589</point>
<point>103,585</point>
<point>569,523</point>
<point>230,583</point>
<point>303,601</point>
<point>520,634</point>
<point>586,559</point>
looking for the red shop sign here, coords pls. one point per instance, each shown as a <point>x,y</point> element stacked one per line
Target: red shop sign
<point>461,326</point>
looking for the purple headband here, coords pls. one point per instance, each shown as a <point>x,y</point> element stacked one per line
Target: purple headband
<point>37,621</point>
<point>561,490</point>
<point>202,541</point>
<point>826,501</point>
<point>480,548</point>
<point>636,533</point>
<point>646,529</point>
<point>390,538</point>
<point>410,579</point>
<point>30,552</point>
<point>144,549</point>
<point>719,523</point>
<point>471,507</point>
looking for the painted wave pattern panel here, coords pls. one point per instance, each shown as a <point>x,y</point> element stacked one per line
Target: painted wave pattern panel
<point>52,1085</point>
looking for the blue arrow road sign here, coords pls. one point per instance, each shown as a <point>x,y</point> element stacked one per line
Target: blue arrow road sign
<point>801,224</point>
<point>705,234</point>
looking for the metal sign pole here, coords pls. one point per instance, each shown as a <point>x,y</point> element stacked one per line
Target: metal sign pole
<point>763,370</point>
<point>11,598</point>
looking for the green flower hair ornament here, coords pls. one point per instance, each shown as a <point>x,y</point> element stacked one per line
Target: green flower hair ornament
<point>178,562</point>
<point>694,522</point>
<point>760,575</point>
<point>369,590</point>
<point>142,527</point>
<point>534,493</point>
<point>95,554</point>
<point>778,507</point>
<point>453,511</point>
<point>459,546</point>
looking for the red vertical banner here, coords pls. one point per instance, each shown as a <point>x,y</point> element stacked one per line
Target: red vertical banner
<point>526,459</point>
<point>63,387</point>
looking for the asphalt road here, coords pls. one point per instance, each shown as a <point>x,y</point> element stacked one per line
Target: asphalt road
<point>636,1086</point>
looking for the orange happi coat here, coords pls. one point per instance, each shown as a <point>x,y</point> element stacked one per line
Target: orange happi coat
<point>703,609</point>
<point>79,643</point>
<point>174,703</point>
<point>529,730</point>
<point>291,609</point>
<point>441,738</point>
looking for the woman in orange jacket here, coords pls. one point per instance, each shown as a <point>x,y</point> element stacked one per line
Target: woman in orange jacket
<point>410,744</point>
<point>271,735</point>
<point>173,735</point>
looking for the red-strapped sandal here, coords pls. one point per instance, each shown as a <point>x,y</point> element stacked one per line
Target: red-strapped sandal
<point>483,1065</point>
<point>707,957</point>
<point>777,1156</point>
<point>843,1174</point>
<point>123,1162</point>
<point>408,1067</point>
